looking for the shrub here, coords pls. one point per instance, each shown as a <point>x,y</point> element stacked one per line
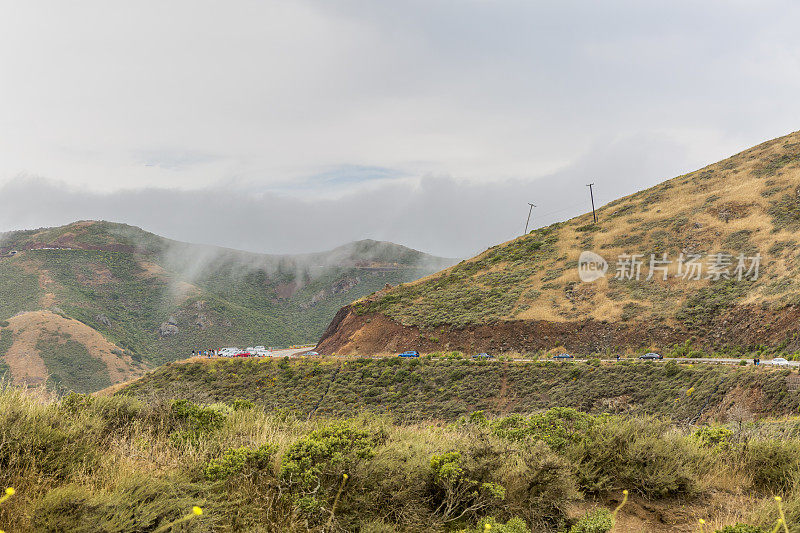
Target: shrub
<point>714,436</point>
<point>242,405</point>
<point>740,528</point>
<point>671,368</point>
<point>41,442</point>
<point>643,454</point>
<point>74,403</point>
<point>515,525</point>
<point>326,453</point>
<point>194,421</point>
<point>457,492</point>
<point>556,427</point>
<point>117,412</point>
<point>314,467</point>
<point>599,521</point>
<point>235,460</point>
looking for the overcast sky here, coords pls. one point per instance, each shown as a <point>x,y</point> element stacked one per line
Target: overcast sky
<point>293,126</point>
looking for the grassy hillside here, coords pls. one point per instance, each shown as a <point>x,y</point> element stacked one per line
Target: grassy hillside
<point>156,300</point>
<point>88,464</point>
<point>529,292</point>
<point>447,389</point>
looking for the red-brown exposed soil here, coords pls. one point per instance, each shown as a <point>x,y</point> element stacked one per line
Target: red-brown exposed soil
<point>350,333</point>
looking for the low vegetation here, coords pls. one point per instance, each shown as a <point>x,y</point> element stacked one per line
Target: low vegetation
<point>445,389</point>
<point>119,464</point>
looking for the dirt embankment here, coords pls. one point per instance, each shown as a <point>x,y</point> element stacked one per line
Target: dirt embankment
<point>744,327</point>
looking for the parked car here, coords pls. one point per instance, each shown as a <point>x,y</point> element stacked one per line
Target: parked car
<point>651,356</point>
<point>228,352</point>
<point>310,354</point>
<point>483,355</point>
<point>780,361</point>
<point>563,356</point>
<point>242,354</point>
<point>410,353</point>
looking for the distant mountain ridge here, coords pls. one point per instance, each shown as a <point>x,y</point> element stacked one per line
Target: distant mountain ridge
<point>155,300</point>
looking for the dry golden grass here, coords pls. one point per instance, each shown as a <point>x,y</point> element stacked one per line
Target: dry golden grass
<point>696,212</point>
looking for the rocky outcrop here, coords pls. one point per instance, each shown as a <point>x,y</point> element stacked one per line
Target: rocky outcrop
<point>167,330</point>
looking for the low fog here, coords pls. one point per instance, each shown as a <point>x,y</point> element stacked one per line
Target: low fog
<point>442,216</point>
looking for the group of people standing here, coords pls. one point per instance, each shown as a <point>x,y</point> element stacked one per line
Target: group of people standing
<point>202,353</point>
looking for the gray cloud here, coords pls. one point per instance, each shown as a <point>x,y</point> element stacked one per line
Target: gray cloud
<point>440,215</point>
<point>294,126</point>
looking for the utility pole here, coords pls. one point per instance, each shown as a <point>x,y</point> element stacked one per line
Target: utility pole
<point>529,217</point>
<point>591,195</point>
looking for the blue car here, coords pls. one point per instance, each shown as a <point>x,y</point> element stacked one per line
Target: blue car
<point>562,356</point>
<point>483,355</point>
<point>410,353</point>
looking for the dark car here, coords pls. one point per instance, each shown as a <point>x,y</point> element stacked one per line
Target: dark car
<point>482,355</point>
<point>562,356</point>
<point>651,356</point>
<point>410,353</point>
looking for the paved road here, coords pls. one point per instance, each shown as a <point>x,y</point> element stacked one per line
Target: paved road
<point>291,352</point>
<point>707,360</point>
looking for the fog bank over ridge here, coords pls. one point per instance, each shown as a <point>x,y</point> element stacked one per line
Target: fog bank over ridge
<point>442,216</point>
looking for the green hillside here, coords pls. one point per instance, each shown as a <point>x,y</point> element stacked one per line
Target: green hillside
<point>446,389</point>
<point>157,299</point>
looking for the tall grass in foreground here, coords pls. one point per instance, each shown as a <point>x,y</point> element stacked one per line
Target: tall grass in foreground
<point>117,464</point>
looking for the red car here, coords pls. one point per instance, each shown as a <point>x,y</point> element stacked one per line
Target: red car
<point>242,354</point>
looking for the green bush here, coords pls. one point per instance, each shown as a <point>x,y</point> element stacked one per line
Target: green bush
<point>515,525</point>
<point>44,443</point>
<point>326,454</point>
<point>456,489</point>
<point>557,427</point>
<point>740,528</point>
<point>242,405</point>
<point>599,521</point>
<point>236,460</point>
<point>194,421</point>
<point>714,436</point>
<point>74,403</point>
